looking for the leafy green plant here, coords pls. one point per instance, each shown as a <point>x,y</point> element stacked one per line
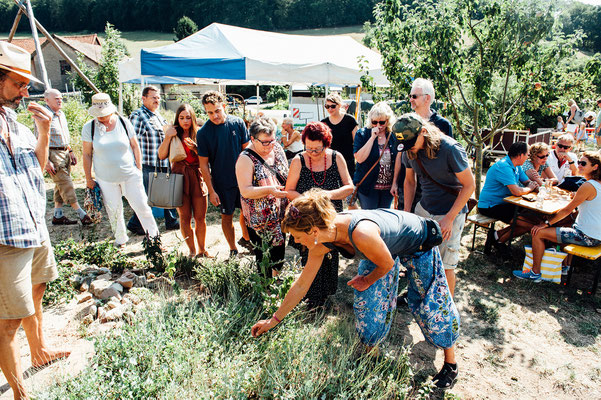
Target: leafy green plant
<point>154,253</point>
<point>61,289</point>
<point>224,277</point>
<point>102,254</point>
<point>184,28</point>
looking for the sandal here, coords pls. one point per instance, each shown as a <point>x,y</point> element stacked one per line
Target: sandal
<point>447,376</point>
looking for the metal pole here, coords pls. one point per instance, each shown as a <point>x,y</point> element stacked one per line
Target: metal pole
<point>58,48</point>
<point>120,97</point>
<point>13,30</point>
<point>38,48</point>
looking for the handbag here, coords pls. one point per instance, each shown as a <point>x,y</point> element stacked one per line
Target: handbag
<point>165,189</point>
<point>435,311</point>
<point>550,266</point>
<point>176,150</point>
<point>471,202</point>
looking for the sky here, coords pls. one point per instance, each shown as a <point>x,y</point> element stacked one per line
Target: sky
<point>594,2</point>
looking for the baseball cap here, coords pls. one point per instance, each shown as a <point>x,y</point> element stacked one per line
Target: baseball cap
<point>406,129</point>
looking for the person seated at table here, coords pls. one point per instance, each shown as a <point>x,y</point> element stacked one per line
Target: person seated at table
<point>536,167</point>
<point>586,231</point>
<point>503,179</point>
<point>563,164</point>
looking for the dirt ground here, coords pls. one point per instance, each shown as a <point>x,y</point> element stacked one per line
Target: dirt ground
<point>519,340</point>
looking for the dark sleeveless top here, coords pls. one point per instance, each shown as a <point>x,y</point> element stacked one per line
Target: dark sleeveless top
<point>331,182</point>
<point>402,232</point>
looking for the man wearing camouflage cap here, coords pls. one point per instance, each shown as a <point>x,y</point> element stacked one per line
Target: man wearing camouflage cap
<point>439,161</point>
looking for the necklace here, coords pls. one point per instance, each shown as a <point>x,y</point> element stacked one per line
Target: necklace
<point>324,170</point>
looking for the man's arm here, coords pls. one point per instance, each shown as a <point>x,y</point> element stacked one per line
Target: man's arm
<point>468,184</point>
<point>42,118</point>
<point>395,178</point>
<point>206,175</point>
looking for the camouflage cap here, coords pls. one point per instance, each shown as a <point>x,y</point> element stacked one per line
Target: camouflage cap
<point>406,130</point>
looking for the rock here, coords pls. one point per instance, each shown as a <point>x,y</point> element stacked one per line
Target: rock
<point>87,320</point>
<point>92,310</point>
<point>106,277</point>
<point>108,293</point>
<point>90,269</point>
<point>76,281</point>
<point>127,280</point>
<point>150,275</point>
<point>84,298</point>
<point>112,315</point>
<point>84,286</point>
<point>101,313</point>
<point>112,304</point>
<point>98,286</point>
<point>117,287</point>
<point>104,270</point>
<point>132,298</point>
<point>161,282</point>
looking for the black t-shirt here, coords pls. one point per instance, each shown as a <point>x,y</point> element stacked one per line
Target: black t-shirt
<point>342,139</point>
<point>442,123</point>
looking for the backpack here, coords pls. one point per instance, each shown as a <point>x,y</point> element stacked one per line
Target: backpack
<point>578,116</point>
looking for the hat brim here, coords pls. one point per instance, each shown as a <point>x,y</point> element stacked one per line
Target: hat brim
<point>23,74</point>
<point>102,112</point>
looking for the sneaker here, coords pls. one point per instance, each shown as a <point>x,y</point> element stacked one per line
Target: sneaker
<point>63,221</point>
<point>403,300</point>
<point>565,269</point>
<point>445,379</point>
<point>86,220</point>
<point>527,275</point>
<point>138,231</point>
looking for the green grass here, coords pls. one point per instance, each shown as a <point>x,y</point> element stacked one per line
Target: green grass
<point>200,350</point>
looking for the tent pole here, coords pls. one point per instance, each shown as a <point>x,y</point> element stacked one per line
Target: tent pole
<point>257,99</point>
<point>358,107</point>
<point>38,48</point>
<point>13,30</point>
<point>120,97</point>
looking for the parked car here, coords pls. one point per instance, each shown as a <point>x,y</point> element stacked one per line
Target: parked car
<point>254,100</point>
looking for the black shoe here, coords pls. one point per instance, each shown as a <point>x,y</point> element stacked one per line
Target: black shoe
<point>447,376</point>
<point>63,221</point>
<point>138,231</point>
<point>172,227</point>
<point>245,243</point>
<point>490,241</point>
<point>233,253</point>
<point>403,300</point>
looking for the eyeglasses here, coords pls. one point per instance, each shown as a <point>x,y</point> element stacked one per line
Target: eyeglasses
<point>563,146</point>
<point>374,123</point>
<point>582,163</point>
<point>20,85</point>
<point>543,156</point>
<point>331,106</point>
<point>315,151</point>
<point>266,142</point>
<point>415,96</point>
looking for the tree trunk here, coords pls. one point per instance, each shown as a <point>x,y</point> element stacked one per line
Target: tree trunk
<point>478,166</point>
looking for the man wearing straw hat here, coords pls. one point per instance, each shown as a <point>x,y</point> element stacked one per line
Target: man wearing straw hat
<point>26,257</point>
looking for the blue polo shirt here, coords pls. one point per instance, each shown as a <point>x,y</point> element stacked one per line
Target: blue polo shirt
<point>222,144</point>
<point>502,174</point>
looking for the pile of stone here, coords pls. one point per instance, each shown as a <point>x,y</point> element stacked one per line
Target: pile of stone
<point>104,298</point>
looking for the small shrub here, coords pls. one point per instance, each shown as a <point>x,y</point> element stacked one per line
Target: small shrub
<point>102,254</point>
<point>61,289</point>
<point>224,277</point>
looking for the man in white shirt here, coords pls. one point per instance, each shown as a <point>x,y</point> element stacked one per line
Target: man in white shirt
<point>563,162</point>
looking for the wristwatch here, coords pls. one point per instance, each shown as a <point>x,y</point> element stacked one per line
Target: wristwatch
<point>548,223</point>
<point>571,162</point>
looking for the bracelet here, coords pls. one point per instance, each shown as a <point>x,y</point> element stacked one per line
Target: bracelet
<point>276,318</point>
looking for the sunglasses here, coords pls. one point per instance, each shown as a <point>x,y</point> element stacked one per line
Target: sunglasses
<point>314,151</point>
<point>543,156</point>
<point>563,146</point>
<point>582,163</point>
<point>331,106</point>
<point>374,123</point>
<point>266,142</point>
<point>415,96</point>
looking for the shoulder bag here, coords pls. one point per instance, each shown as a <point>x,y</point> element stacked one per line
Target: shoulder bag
<point>471,203</point>
<point>281,179</point>
<point>176,150</point>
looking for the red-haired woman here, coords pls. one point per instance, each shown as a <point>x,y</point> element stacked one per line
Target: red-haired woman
<point>320,167</point>
<point>195,191</point>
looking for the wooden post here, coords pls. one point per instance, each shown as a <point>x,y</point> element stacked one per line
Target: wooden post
<point>58,48</point>
<point>38,48</point>
<point>13,30</point>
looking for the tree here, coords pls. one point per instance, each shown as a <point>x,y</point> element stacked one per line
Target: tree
<point>485,57</point>
<point>277,93</point>
<point>184,28</point>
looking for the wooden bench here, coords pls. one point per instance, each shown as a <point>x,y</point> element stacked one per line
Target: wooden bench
<point>588,253</point>
<point>481,221</point>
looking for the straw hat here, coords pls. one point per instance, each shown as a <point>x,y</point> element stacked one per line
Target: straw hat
<point>101,105</point>
<point>17,60</point>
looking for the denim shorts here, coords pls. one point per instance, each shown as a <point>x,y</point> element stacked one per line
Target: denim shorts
<point>573,235</point>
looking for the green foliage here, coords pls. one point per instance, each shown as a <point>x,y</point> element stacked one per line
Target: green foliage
<point>184,96</point>
<point>221,278</point>
<point>102,254</point>
<point>194,350</point>
<point>277,94</point>
<point>585,18</point>
<point>153,251</point>
<point>484,57</point>
<point>61,289</point>
<point>77,115</point>
<point>184,28</point>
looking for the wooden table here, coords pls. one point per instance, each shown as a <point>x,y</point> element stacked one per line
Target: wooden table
<point>549,206</point>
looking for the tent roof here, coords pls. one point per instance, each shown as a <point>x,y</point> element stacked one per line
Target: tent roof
<point>224,52</point>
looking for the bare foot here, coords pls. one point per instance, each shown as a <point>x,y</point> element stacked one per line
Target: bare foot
<point>46,357</point>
